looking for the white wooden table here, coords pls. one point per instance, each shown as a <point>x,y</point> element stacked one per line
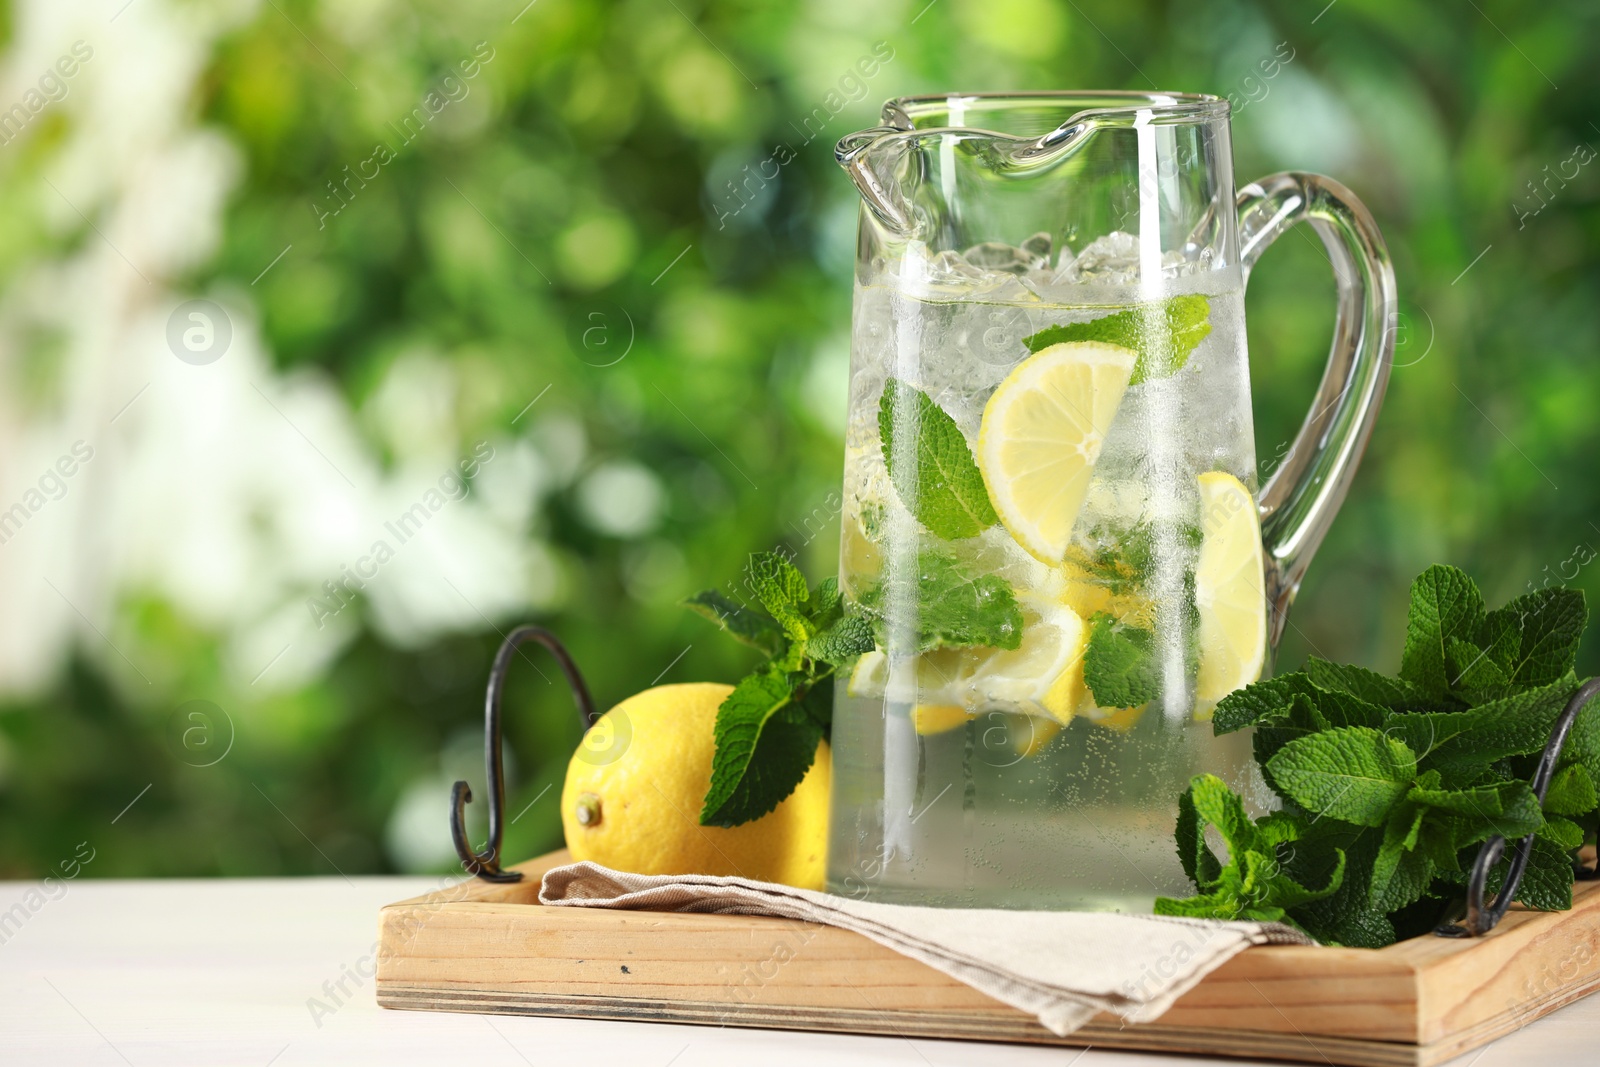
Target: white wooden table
<point>259,972</point>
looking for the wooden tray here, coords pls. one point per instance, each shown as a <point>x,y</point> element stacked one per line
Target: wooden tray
<point>493,948</point>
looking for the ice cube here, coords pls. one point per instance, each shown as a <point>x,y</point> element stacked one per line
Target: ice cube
<point>1114,258</point>
<point>997,256</point>
<point>1038,246</point>
<point>949,268</point>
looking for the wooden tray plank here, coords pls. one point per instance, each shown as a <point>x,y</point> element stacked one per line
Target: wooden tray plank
<point>493,948</point>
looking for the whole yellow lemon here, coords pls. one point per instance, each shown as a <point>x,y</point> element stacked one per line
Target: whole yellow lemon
<point>636,784</point>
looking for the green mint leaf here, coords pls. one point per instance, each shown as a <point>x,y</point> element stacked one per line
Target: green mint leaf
<point>1199,862</point>
<point>843,641</point>
<point>1259,702</point>
<point>1509,809</point>
<point>1353,773</point>
<point>1571,792</point>
<point>818,703</point>
<point>1405,884</point>
<point>1218,905</point>
<point>1253,884</point>
<point>1462,744</point>
<point>1300,719</point>
<point>1342,709</point>
<point>782,590</point>
<point>1288,893</point>
<point>1363,684</point>
<point>752,628</point>
<point>1540,634</point>
<point>1282,827</point>
<point>1345,917</point>
<point>1444,837</point>
<point>1562,833</point>
<point>1547,883</point>
<point>827,605</point>
<point>765,744</point>
<point>953,610</point>
<point>1120,666</point>
<point>1583,741</point>
<point>1444,604</point>
<point>1403,870</point>
<point>1500,637</point>
<point>1472,671</point>
<point>1164,334</point>
<point>1220,806</point>
<point>931,464</point>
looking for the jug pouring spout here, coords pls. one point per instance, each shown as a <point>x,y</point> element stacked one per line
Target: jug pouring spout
<point>871,157</point>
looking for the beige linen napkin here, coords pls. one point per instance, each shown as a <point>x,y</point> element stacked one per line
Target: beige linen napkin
<point>1063,967</point>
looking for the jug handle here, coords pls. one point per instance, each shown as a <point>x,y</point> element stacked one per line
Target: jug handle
<point>1299,501</point>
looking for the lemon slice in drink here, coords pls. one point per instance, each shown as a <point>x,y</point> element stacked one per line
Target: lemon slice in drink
<point>1041,435</point>
<point>1228,592</point>
<point>1044,675</point>
<point>938,718</point>
<point>935,684</point>
<point>938,677</point>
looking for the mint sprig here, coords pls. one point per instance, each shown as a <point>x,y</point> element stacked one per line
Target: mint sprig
<point>931,464</point>
<point>768,729</point>
<point>1254,883</point>
<point>1396,782</point>
<point>1164,334</point>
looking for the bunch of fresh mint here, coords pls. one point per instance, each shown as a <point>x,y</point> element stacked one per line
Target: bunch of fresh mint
<point>768,728</point>
<point>1390,785</point>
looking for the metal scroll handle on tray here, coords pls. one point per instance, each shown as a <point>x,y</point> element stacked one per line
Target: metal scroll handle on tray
<point>486,864</point>
<point>1481,917</point>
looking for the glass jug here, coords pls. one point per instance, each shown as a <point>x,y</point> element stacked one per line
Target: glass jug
<point>1051,512</point>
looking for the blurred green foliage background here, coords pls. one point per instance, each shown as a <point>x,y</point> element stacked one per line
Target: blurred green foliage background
<point>562,233</point>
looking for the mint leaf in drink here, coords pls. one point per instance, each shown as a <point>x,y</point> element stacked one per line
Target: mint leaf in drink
<point>1163,334</point>
<point>1122,555</point>
<point>1445,603</point>
<point>953,610</point>
<point>765,744</point>
<point>1571,792</point>
<point>1352,773</point>
<point>749,627</point>
<point>842,642</point>
<point>782,590</point>
<point>957,611</point>
<point>931,464</point>
<point>1120,666</point>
